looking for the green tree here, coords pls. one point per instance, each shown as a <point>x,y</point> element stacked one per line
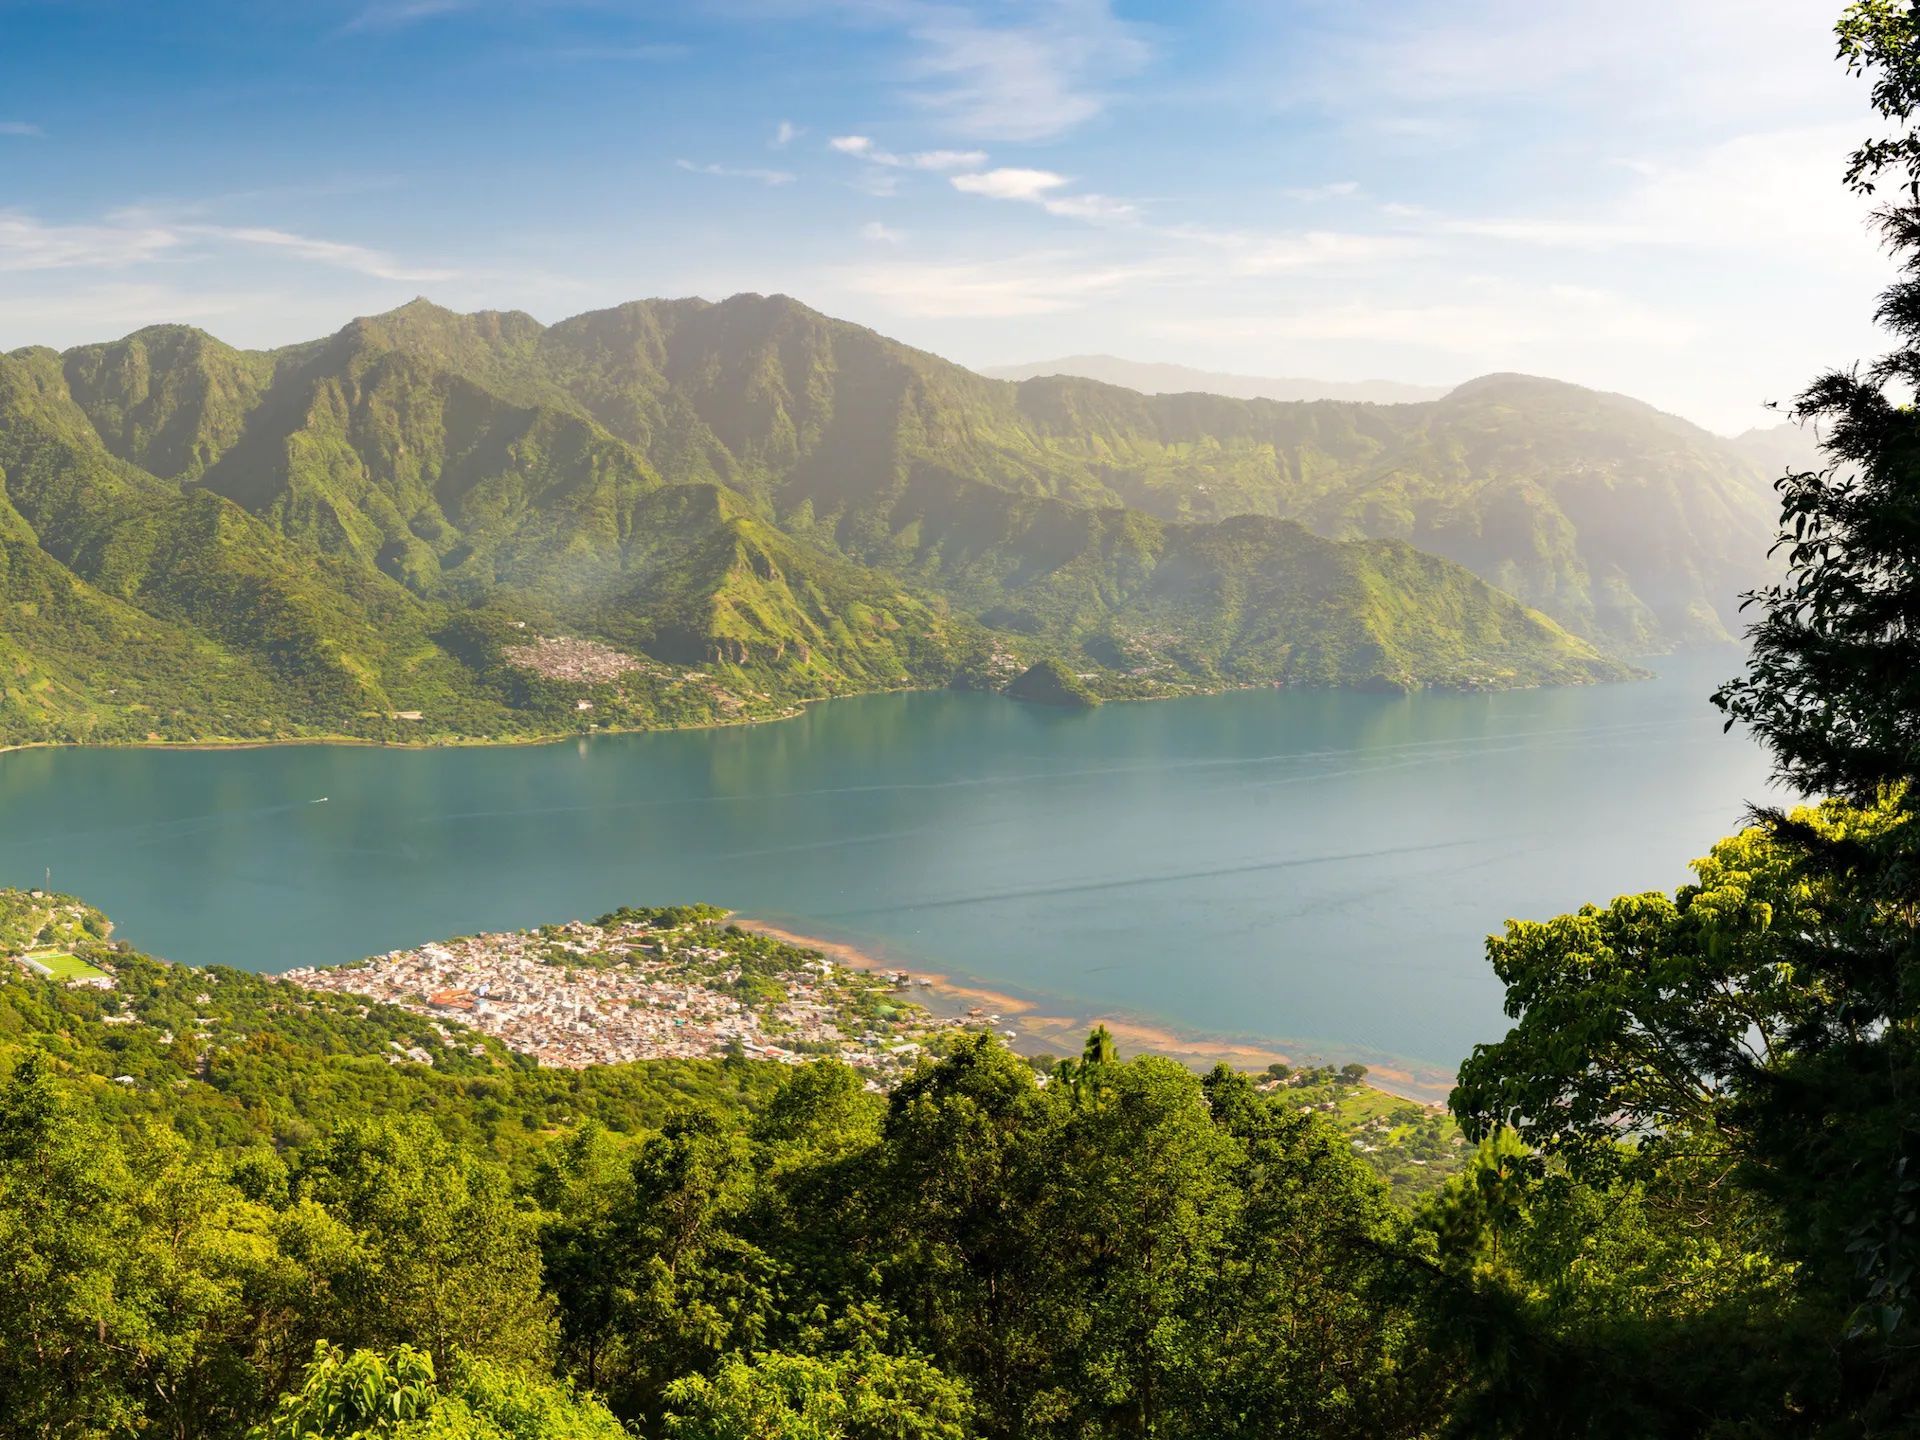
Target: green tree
<point>441,1255</point>
<point>402,1395</point>
<point>1833,688</point>
<point>863,1395</point>
<point>580,1183</point>
<point>1131,1229</point>
<point>64,1326</point>
<point>691,1287</point>
<point>952,1234</point>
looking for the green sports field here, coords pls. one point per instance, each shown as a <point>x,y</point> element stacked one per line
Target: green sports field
<point>67,967</point>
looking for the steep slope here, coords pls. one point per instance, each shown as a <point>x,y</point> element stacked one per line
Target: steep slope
<point>1629,526</point>
<point>421,436</point>
<point>245,630</point>
<point>433,524</point>
<point>136,608</point>
<point>1247,599</point>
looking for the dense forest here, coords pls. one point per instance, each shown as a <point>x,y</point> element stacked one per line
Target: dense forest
<point>230,1205</point>
<point>229,1208</point>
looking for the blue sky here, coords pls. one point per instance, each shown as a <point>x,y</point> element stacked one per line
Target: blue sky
<point>1642,195</point>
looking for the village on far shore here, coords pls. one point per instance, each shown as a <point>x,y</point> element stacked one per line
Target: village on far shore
<point>660,983</point>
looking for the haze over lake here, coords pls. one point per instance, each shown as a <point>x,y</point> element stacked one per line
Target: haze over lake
<point>1316,870</point>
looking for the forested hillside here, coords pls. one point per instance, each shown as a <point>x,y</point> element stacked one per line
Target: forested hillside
<point>233,1206</point>
<point>740,505</point>
<point>1628,526</point>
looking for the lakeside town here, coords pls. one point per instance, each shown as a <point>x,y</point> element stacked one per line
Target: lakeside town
<point>643,984</point>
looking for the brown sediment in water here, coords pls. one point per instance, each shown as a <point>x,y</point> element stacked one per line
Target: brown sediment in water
<point>1063,1034</point>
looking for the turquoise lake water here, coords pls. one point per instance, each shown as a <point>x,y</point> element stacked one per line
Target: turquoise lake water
<point>1314,870</point>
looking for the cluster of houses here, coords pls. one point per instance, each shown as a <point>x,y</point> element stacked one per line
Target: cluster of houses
<point>580,994</point>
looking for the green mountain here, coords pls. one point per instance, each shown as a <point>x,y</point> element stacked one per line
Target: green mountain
<point>431,525</point>
<point>1630,527</point>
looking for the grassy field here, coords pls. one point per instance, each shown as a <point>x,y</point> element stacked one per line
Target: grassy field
<point>66,967</point>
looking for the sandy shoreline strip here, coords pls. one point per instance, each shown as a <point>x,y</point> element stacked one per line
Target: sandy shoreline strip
<point>1064,1034</point>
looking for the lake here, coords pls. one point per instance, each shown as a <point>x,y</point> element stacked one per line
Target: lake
<point>1312,871</point>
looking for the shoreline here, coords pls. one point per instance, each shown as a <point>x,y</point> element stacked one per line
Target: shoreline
<point>1038,1033</point>
<point>799,708</point>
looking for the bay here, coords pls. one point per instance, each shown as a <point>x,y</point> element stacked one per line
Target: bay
<point>1315,871</point>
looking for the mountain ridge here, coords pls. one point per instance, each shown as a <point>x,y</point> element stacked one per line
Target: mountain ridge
<point>799,506</point>
<point>1158,377</point>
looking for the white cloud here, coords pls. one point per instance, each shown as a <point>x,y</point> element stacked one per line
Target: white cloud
<point>346,256</point>
<point>29,244</point>
<point>1100,209</point>
<point>1774,192</point>
<point>128,239</point>
<point>861,147</point>
<point>1037,187</point>
<point>785,133</point>
<point>736,172</point>
<point>883,234</point>
<point>1010,183</point>
<point>1032,78</point>
<point>21,129</point>
<point>1705,59</point>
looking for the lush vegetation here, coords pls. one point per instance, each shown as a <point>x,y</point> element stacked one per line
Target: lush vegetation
<point>229,1207</point>
<point>1049,682</point>
<point>751,503</point>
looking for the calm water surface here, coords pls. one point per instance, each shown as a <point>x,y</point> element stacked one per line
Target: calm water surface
<point>1317,870</point>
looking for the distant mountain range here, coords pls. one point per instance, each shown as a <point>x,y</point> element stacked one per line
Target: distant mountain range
<point>1776,449</point>
<point>1150,378</point>
<point>431,524</point>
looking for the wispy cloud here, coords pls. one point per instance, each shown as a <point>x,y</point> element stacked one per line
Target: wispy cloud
<point>785,133</point>
<point>861,147</point>
<point>1765,192</point>
<point>1030,78</point>
<point>881,234</point>
<point>127,239</point>
<point>736,172</point>
<point>1038,186</point>
<point>346,256</point>
<point>30,244</point>
<point>1010,183</point>
<point>398,14</point>
<point>21,129</point>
